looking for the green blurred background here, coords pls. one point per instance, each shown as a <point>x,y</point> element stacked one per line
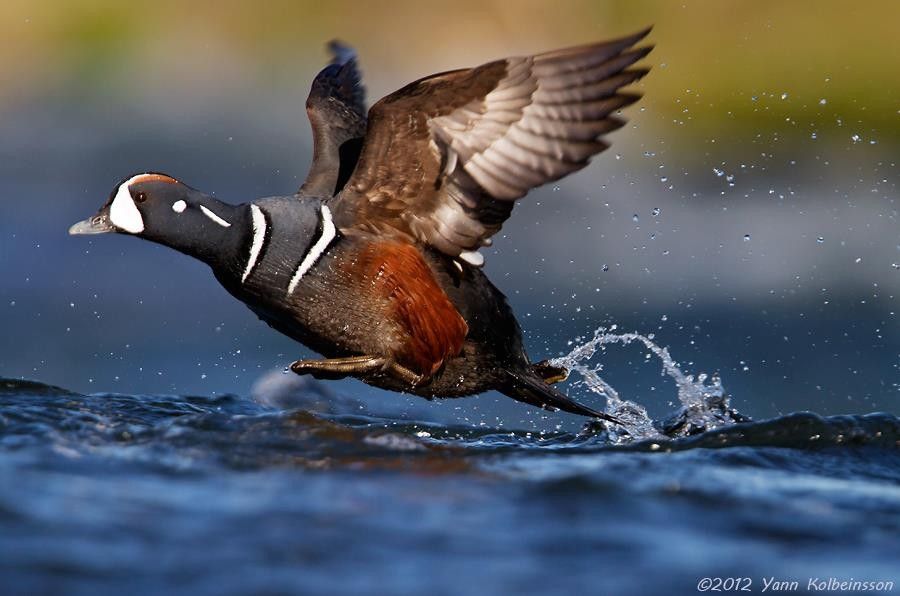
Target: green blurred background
<point>715,54</point>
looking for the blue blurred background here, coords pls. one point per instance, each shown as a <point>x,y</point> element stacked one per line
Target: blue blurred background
<point>747,215</point>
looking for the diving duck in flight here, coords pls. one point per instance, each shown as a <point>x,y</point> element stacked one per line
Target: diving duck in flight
<point>374,261</point>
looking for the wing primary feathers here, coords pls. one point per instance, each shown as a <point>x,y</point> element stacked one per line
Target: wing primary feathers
<point>341,52</point>
<point>444,158</point>
<point>337,113</point>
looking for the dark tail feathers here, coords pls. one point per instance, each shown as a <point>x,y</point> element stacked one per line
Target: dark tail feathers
<point>529,388</point>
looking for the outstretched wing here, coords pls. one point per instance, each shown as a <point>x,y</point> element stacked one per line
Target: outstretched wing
<point>336,107</point>
<point>445,157</point>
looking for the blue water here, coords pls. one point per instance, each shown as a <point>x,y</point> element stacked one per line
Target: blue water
<point>145,494</point>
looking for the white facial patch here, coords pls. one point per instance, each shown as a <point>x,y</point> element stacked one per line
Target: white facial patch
<point>259,237</point>
<point>328,234</point>
<point>214,217</point>
<point>179,206</point>
<point>123,213</point>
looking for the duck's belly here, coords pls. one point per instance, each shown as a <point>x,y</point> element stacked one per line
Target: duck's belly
<point>368,299</point>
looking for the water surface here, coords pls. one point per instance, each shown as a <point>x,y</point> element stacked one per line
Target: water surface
<point>222,495</point>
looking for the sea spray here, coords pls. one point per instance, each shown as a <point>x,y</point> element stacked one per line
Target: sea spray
<point>704,405</point>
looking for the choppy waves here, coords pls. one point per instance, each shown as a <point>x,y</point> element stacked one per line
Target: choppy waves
<point>226,494</point>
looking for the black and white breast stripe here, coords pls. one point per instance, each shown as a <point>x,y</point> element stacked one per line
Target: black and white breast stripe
<point>261,229</point>
<point>326,233</point>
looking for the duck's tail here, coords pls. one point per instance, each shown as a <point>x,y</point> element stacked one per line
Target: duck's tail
<point>531,387</point>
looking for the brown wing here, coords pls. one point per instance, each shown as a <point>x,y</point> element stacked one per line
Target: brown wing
<point>336,107</point>
<point>445,157</point>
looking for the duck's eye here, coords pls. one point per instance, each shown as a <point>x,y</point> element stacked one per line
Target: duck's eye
<point>140,197</point>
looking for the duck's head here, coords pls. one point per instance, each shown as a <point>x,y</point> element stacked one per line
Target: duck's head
<point>138,205</point>
<point>159,208</point>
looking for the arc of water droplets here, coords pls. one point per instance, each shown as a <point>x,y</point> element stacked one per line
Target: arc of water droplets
<point>693,394</point>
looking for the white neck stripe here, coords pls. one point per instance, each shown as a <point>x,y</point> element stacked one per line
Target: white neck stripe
<point>214,217</point>
<point>259,238</point>
<point>328,234</point>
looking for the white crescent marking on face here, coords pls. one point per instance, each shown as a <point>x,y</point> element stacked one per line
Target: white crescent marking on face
<point>259,237</point>
<point>123,213</point>
<point>328,234</point>
<point>214,217</point>
<point>179,206</point>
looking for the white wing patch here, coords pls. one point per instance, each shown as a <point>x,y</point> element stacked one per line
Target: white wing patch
<point>179,206</point>
<point>328,234</point>
<point>259,238</point>
<point>472,257</point>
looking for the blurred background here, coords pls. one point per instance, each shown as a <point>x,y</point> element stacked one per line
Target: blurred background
<point>747,215</point>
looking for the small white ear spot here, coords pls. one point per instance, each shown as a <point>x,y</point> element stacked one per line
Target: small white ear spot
<point>179,206</point>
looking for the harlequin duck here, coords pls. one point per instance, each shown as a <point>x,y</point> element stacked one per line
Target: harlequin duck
<point>374,261</point>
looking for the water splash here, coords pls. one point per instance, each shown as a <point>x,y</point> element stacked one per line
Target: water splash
<point>704,404</point>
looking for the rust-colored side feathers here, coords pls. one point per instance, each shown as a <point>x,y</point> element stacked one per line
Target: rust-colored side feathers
<point>431,328</point>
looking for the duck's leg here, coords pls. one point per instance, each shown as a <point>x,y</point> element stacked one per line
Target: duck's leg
<point>356,366</point>
<point>338,368</point>
<point>549,373</point>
